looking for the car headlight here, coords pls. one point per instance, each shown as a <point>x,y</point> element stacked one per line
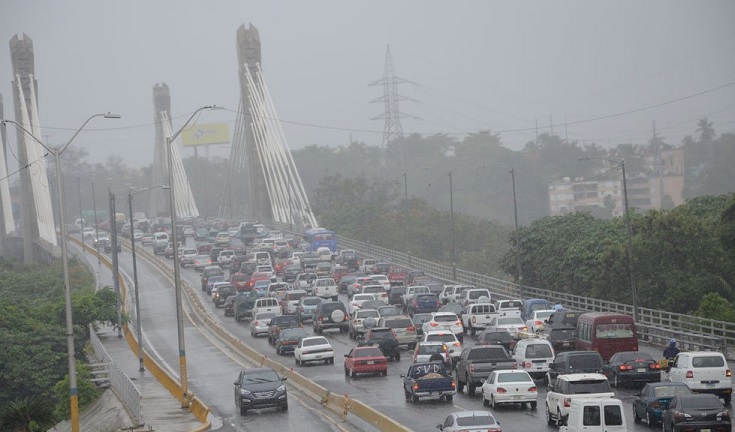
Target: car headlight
<point>281,388</point>
<point>245,392</point>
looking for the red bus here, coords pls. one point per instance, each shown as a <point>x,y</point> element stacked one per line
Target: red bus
<point>606,333</point>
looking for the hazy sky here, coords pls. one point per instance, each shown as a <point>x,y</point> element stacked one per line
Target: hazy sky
<point>476,64</point>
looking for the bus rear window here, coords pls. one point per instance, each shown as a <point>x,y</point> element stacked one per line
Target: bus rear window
<point>614,331</point>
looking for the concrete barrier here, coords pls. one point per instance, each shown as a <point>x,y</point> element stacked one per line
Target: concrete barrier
<point>196,406</point>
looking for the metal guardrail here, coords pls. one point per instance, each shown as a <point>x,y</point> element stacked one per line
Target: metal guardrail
<point>655,326</point>
<point>121,384</point>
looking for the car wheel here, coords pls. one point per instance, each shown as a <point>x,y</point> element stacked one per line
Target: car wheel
<point>298,362</point>
<point>649,419</point>
<point>331,360</point>
<point>398,357</point>
<point>460,386</point>
<point>485,402</point>
<point>549,421</point>
<point>278,351</point>
<point>727,398</point>
<point>471,389</point>
<point>533,405</point>
<point>243,410</point>
<point>406,394</point>
<point>353,374</point>
<point>384,373</point>
<point>284,407</point>
<point>415,399</point>
<point>347,372</point>
<point>449,398</point>
<point>493,405</point>
<point>616,381</point>
<point>559,421</point>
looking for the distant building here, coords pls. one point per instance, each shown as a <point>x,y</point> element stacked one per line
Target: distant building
<point>645,192</point>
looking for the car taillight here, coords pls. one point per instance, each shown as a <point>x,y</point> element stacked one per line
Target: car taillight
<point>728,373</point>
<point>410,328</point>
<point>472,368</point>
<point>528,365</point>
<point>347,316</point>
<point>433,324</point>
<point>567,402</point>
<point>532,389</point>
<point>515,365</point>
<point>654,366</point>
<point>495,430</point>
<point>501,390</point>
<point>625,367</point>
<point>690,374</point>
<point>416,386</point>
<point>457,344</point>
<point>458,323</point>
<point>537,322</point>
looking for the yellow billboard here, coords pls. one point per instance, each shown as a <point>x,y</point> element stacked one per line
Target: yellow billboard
<point>206,134</point>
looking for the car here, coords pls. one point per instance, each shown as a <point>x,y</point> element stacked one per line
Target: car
<point>288,339</point>
<point>445,321</point>
<point>449,338</point>
<point>385,339</point>
<point>356,286</point>
<point>381,268</point>
<point>290,271</point>
<point>260,322</point>
<point>502,338</point>
<point>239,281</point>
<point>561,338</point>
<point>470,421</point>
<point>212,280</point>
<point>260,285</point>
<point>260,388</point>
<point>313,349</point>
<point>230,306</point>
<point>280,323</point>
<point>573,362</point>
<point>305,281</point>
<point>101,240</point>
<point>534,355</point>
<point>307,307</point>
<point>378,291</point>
<point>389,310</point>
<point>357,300</point>
<point>654,399</point>
<point>422,303</point>
<point>373,304</point>
<point>418,322</point>
<point>331,314</point>
<point>395,295</point>
<point>535,323</point>
<point>365,360</point>
<point>403,329</point>
<point>629,367</point>
<point>147,239</point>
<point>188,256</point>
<point>290,301</point>
<point>381,279</point>
<point>357,321</point>
<point>703,372</point>
<point>201,262</point>
<point>225,256</point>
<point>223,290</point>
<point>337,272</point>
<point>509,386</point>
<point>326,288</point>
<point>201,234</point>
<point>696,412</point>
<point>88,232</point>
<point>188,230</point>
<point>244,303</point>
<point>428,351</point>
<point>324,269</point>
<point>346,280</point>
<point>513,325</point>
<point>276,290</point>
<point>453,308</point>
<point>222,239</point>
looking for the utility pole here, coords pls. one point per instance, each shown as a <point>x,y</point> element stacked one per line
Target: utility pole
<point>115,269</point>
<point>81,214</point>
<point>658,167</point>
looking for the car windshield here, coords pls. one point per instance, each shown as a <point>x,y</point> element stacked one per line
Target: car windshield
<point>213,279</point>
<point>310,301</point>
<point>514,377</point>
<point>474,295</point>
<point>497,336</point>
<point>368,352</point>
<point>700,402</point>
<point>445,318</point>
<point>389,311</point>
<point>475,420</point>
<point>614,331</point>
<point>398,290</point>
<point>373,289</point>
<point>563,334</point>
<point>260,377</point>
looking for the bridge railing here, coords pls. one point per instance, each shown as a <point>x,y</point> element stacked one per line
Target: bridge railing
<point>121,383</point>
<point>654,326</point>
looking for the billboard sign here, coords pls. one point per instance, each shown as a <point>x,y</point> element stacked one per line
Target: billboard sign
<point>206,134</point>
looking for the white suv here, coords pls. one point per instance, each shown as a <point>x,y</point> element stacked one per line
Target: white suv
<point>703,372</point>
<point>326,288</point>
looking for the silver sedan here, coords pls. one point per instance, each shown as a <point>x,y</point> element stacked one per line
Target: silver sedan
<point>260,323</point>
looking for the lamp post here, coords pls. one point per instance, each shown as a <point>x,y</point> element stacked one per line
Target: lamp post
<point>628,230</point>
<point>81,216</point>
<point>515,216</point>
<point>451,217</point>
<point>177,275</point>
<point>96,226</point>
<point>115,264</point>
<point>56,151</point>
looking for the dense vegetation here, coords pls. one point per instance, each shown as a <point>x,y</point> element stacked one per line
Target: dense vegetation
<point>33,359</point>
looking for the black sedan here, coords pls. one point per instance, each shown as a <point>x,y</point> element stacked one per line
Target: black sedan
<point>628,367</point>
<point>260,388</point>
<point>418,322</point>
<point>288,339</point>
<point>696,412</point>
<point>503,338</point>
<point>654,399</point>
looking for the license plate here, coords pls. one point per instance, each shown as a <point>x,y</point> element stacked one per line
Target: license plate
<point>705,430</point>
<point>370,362</point>
<point>318,356</point>
<point>566,344</point>
<point>710,384</point>
<point>517,396</point>
<point>641,370</point>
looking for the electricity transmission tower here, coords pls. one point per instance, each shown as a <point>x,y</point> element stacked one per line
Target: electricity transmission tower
<point>390,98</point>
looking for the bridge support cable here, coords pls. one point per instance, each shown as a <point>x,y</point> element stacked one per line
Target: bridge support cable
<point>185,205</point>
<point>7,208</point>
<point>286,191</point>
<point>37,165</point>
<point>234,197</point>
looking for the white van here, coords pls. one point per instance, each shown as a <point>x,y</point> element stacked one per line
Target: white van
<point>534,356</point>
<point>596,415</point>
<point>160,241</point>
<point>263,258</point>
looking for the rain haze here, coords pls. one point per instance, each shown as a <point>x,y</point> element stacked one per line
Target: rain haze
<point>502,66</point>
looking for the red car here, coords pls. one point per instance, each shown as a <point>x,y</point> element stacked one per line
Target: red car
<point>240,281</point>
<point>365,359</point>
<point>338,272</point>
<point>396,275</point>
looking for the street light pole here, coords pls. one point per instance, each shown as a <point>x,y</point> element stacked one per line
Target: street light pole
<point>115,268</point>
<point>96,226</point>
<point>177,275</point>
<point>135,285</point>
<point>628,231</point>
<point>82,223</point>
<point>56,152</point>
<point>451,213</point>
<point>517,232</point>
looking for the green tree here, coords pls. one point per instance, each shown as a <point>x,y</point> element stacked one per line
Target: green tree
<point>714,306</point>
<point>28,414</point>
<point>88,392</point>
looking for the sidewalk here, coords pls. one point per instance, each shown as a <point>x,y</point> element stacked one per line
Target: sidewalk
<point>161,410</point>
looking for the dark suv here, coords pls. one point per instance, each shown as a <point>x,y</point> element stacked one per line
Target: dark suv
<point>331,314</point>
<point>573,362</point>
<point>260,388</point>
<point>280,323</point>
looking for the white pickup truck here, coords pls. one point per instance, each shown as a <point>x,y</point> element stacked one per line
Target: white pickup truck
<point>595,415</point>
<point>266,304</point>
<point>326,288</point>
<point>477,316</point>
<point>367,265</point>
<point>569,387</point>
<point>509,308</point>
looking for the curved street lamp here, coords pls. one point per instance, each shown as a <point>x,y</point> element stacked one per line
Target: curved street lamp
<point>57,152</point>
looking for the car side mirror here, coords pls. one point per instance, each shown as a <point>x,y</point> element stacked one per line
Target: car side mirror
<point>236,382</point>
<point>403,375</point>
<point>439,427</point>
<point>347,355</point>
<point>283,378</point>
